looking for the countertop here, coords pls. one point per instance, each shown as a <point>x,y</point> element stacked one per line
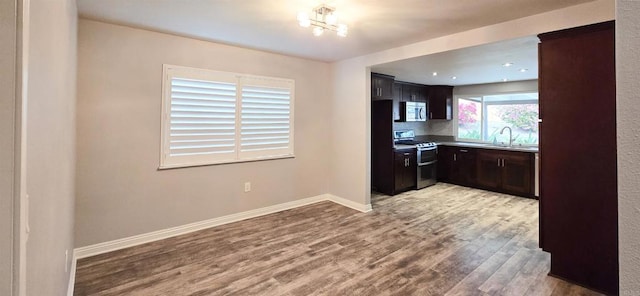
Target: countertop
<point>490,146</point>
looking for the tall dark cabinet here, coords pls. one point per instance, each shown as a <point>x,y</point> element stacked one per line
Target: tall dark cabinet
<point>382,151</point>
<point>578,183</point>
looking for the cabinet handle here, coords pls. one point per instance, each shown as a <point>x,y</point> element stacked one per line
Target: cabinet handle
<point>430,115</point>
<point>454,157</point>
<point>503,162</point>
<point>498,161</point>
<point>464,150</point>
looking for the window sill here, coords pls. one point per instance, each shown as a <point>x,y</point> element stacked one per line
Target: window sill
<point>179,166</point>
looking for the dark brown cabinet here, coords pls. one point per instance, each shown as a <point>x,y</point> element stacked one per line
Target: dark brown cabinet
<point>405,168</point>
<point>407,92</point>
<point>381,86</point>
<point>506,171</point>
<point>440,102</point>
<point>397,97</point>
<point>457,165</point>
<point>578,182</point>
<point>392,171</point>
<point>413,92</point>
<point>382,162</point>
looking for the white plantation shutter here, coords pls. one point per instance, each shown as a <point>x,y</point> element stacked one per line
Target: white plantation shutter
<point>266,115</point>
<point>214,117</point>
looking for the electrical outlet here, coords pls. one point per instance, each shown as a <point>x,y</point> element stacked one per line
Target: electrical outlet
<point>247,186</point>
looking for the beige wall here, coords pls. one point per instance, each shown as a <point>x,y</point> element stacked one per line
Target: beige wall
<point>628,108</point>
<point>50,149</point>
<point>120,192</point>
<point>350,175</point>
<point>7,128</point>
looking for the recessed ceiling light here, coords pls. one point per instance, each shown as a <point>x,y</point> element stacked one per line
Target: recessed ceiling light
<point>505,79</point>
<point>524,70</point>
<point>454,78</point>
<point>435,74</point>
<point>507,64</point>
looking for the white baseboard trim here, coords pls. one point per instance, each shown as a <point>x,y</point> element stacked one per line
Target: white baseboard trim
<point>365,208</point>
<point>131,241</point>
<point>72,274</point>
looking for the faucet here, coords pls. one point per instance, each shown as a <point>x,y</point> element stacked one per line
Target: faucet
<point>510,135</point>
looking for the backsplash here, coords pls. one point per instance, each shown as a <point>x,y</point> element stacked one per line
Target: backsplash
<point>419,127</point>
<point>431,127</point>
<point>440,127</point>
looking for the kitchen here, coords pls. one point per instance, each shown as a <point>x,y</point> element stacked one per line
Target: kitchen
<point>486,134</point>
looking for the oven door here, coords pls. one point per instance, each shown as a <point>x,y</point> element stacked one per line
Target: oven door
<point>427,174</point>
<point>427,155</point>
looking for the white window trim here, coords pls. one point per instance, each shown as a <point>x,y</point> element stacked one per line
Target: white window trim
<point>239,80</point>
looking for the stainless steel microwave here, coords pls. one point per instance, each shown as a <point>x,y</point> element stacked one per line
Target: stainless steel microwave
<point>413,111</point>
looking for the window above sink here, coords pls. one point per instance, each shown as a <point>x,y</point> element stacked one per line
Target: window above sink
<point>481,118</point>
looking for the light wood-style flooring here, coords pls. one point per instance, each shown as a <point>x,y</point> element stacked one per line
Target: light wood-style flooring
<point>442,240</point>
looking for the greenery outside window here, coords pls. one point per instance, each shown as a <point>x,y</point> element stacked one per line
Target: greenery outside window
<point>481,118</point>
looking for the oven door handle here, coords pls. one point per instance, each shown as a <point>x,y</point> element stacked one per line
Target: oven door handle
<point>427,163</point>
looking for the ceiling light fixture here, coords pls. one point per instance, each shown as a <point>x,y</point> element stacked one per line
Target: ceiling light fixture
<point>505,79</point>
<point>524,70</point>
<point>323,18</point>
<point>507,64</point>
<point>435,73</point>
<point>454,78</point>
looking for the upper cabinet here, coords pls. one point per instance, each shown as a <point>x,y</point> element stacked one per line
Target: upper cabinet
<point>381,86</point>
<point>413,92</point>
<point>440,102</point>
<point>439,98</point>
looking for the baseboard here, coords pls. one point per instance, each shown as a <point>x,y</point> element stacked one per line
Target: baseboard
<point>72,274</point>
<point>365,208</point>
<point>127,242</point>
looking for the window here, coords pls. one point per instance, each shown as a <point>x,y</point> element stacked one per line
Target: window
<point>481,118</point>
<point>212,117</point>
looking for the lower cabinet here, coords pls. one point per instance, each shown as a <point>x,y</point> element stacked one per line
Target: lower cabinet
<point>457,165</point>
<point>406,170</point>
<point>506,171</point>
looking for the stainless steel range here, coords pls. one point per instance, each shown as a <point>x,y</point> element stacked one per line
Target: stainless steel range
<point>427,153</point>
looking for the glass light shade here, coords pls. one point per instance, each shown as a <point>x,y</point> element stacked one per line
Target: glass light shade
<point>303,20</point>
<point>332,18</point>
<point>342,30</point>
<point>317,31</point>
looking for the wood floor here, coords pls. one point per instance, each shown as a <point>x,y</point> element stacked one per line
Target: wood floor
<point>442,240</point>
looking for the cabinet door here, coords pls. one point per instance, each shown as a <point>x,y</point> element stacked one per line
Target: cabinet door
<point>440,102</point>
<point>467,166</point>
<point>400,168</point>
<point>381,87</point>
<point>408,93</point>
<point>445,162</point>
<point>405,169</point>
<point>397,97</point>
<point>489,169</point>
<point>516,173</point>
<point>412,170</point>
<point>463,168</point>
<point>422,93</point>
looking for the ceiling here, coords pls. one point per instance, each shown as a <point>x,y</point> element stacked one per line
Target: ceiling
<point>271,25</point>
<point>471,65</point>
